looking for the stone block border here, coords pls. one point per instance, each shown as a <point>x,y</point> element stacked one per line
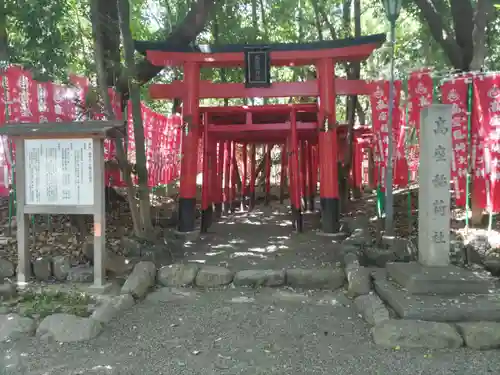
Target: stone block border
<point>64,327</point>
<point>191,274</point>
<point>409,333</point>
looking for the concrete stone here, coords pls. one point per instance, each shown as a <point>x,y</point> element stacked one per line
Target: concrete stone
<point>371,307</point>
<point>351,260</point>
<point>118,264</point>
<point>123,302</point>
<point>81,274</point>
<point>68,328</point>
<point>416,334</point>
<point>60,266</point>
<point>7,269</point>
<point>105,312</point>
<point>492,264</point>
<point>463,308</point>
<point>378,257</point>
<point>434,213</point>
<point>256,278</point>
<point>400,247</point>
<point>177,274</point>
<point>213,276</point>
<point>7,291</point>
<point>359,281</point>
<point>13,327</point>
<point>378,273</point>
<point>326,278</point>
<point>480,335</point>
<point>42,268</point>
<point>448,280</point>
<point>140,280</point>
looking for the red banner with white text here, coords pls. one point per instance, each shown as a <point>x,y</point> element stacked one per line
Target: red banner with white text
<point>455,92</point>
<point>24,100</point>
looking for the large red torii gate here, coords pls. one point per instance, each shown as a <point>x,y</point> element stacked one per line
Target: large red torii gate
<point>317,123</point>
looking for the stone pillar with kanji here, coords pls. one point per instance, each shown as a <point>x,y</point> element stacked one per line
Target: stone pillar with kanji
<point>434,195</point>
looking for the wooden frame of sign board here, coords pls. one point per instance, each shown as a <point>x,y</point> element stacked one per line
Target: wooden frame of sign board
<point>59,144</point>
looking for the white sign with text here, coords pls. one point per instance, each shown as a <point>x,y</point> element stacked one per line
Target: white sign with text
<point>59,172</point>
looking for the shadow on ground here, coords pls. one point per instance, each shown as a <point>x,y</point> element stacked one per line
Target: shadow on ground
<point>263,238</point>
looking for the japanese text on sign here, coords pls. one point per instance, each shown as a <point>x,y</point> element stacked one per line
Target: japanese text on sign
<point>59,172</point>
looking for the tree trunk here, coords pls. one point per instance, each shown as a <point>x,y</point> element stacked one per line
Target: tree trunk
<point>483,15</point>
<point>120,152</point>
<point>135,99</point>
<point>109,36</point>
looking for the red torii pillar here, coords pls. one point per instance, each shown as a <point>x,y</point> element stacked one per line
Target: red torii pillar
<point>190,136</point>
<point>328,159</point>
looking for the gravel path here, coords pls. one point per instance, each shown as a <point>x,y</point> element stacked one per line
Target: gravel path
<point>264,238</point>
<point>244,332</point>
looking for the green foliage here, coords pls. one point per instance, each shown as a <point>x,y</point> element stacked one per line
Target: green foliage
<point>47,303</point>
<point>54,38</point>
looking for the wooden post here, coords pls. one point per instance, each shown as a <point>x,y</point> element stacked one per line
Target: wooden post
<point>99,218</point>
<point>24,261</point>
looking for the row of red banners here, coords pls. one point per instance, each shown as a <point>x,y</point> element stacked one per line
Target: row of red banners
<point>483,128</point>
<point>24,100</point>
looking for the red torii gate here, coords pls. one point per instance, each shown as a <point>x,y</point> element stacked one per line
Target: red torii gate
<point>316,123</point>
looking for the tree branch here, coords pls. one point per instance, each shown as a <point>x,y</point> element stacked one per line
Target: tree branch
<point>437,28</point>
<point>185,33</point>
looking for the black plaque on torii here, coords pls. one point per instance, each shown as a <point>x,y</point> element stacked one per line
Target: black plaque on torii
<point>257,67</point>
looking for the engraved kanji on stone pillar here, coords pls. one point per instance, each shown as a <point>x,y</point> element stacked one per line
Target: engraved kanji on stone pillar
<point>434,194</point>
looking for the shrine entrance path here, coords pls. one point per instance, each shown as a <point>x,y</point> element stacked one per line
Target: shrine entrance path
<point>263,239</point>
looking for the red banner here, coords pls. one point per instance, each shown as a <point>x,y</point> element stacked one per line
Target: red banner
<point>454,92</point>
<point>24,100</point>
<point>379,100</point>
<point>420,95</point>
<point>485,142</point>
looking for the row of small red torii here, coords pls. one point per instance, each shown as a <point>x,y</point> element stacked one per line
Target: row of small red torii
<point>22,99</point>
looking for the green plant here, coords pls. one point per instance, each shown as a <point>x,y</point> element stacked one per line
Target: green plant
<point>46,303</point>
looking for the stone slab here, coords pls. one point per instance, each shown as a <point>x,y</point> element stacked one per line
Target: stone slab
<point>463,308</point>
<point>372,309</point>
<point>416,334</point>
<point>446,280</point>
<point>480,335</point>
